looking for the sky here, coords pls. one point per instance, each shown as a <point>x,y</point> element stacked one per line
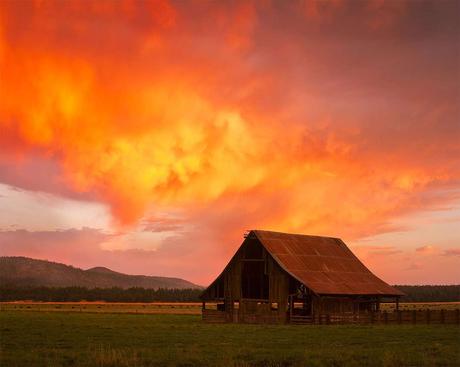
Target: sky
<point>148,136</point>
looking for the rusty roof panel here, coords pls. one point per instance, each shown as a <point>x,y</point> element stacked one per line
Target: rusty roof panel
<point>324,264</point>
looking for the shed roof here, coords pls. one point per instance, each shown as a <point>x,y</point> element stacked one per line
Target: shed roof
<point>324,264</point>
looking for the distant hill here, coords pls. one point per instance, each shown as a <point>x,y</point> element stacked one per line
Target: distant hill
<point>24,271</point>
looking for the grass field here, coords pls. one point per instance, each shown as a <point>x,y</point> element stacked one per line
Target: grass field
<point>177,308</point>
<point>122,339</point>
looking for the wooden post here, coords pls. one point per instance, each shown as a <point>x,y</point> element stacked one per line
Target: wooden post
<point>291,306</point>
<point>442,317</point>
<point>320,306</point>
<point>203,305</point>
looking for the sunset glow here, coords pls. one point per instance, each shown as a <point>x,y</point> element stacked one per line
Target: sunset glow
<point>149,136</point>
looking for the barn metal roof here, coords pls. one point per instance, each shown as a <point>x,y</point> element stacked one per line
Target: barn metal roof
<point>324,264</point>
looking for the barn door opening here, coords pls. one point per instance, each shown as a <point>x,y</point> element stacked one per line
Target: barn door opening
<point>254,280</point>
<point>254,277</point>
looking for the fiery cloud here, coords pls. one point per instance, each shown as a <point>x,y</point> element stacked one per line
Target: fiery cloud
<point>320,117</point>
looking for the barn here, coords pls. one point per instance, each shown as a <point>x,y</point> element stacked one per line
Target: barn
<point>281,277</point>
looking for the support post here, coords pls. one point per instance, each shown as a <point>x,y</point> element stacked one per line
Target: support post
<point>203,305</point>
<point>320,313</point>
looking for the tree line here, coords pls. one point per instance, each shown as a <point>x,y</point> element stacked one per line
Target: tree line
<point>76,294</point>
<point>430,293</point>
<point>417,293</point>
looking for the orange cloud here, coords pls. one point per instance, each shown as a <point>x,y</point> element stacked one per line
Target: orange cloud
<point>150,105</point>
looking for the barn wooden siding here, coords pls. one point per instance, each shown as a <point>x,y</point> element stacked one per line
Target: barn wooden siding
<point>273,273</point>
<point>228,289</point>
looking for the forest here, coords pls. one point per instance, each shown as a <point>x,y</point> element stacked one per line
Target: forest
<point>76,294</point>
<point>420,293</point>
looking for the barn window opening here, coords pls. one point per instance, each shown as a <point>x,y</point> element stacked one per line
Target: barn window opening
<point>274,306</point>
<point>253,250</point>
<point>236,305</point>
<point>254,281</point>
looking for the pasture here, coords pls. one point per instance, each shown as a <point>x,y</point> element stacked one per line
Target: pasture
<point>177,308</point>
<point>110,336</point>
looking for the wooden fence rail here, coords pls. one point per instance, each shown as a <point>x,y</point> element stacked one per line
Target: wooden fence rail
<point>394,317</point>
<point>214,316</point>
<point>407,317</point>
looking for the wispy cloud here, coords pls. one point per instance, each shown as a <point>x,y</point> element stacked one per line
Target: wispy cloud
<point>452,252</point>
<point>165,224</point>
<point>415,266</point>
<point>427,250</point>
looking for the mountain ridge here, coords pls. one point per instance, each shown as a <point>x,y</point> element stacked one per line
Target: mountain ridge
<point>25,271</point>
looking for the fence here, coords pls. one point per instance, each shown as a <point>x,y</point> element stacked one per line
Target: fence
<point>214,316</point>
<point>395,317</point>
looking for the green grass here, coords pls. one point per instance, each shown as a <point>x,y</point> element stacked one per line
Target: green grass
<point>106,339</point>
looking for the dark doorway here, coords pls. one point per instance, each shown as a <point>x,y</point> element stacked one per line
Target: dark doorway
<point>254,281</point>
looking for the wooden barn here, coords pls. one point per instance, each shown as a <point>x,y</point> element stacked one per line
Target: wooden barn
<point>280,277</point>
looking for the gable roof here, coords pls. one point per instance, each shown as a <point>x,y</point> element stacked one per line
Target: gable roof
<point>324,264</point>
